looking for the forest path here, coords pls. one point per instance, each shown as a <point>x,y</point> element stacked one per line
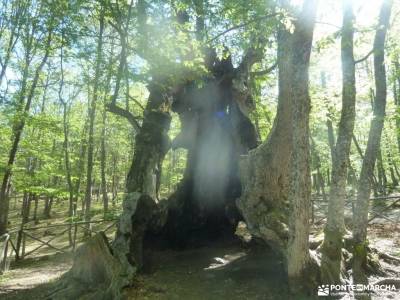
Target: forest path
<point>28,278</point>
<point>213,271</point>
<point>221,270</point>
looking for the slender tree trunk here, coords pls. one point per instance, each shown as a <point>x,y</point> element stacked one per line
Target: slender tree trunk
<point>364,187</point>
<point>396,96</point>
<point>81,166</point>
<point>92,115</point>
<point>331,135</point>
<point>17,133</point>
<point>66,143</point>
<point>35,210</point>
<point>374,181</point>
<point>103,166</point>
<point>301,268</point>
<point>103,156</point>
<point>320,184</point>
<point>47,208</point>
<point>331,266</point>
<point>114,185</point>
<point>393,177</point>
<point>16,22</point>
<point>381,173</point>
<point>25,207</point>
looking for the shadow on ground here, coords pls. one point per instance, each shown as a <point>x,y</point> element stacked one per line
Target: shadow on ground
<point>221,270</point>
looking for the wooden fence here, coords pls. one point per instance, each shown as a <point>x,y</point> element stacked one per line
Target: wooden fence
<point>18,248</point>
<point>375,211</point>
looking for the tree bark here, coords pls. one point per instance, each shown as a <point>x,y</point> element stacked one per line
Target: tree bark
<point>103,165</point>
<point>264,172</point>
<point>396,96</point>
<point>381,172</point>
<point>302,270</point>
<point>364,187</point>
<point>92,115</point>
<point>103,153</point>
<point>140,203</point>
<point>331,263</point>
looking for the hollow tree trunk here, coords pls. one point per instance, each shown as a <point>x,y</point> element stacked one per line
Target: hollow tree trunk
<point>364,187</point>
<point>214,136</point>
<point>264,172</point>
<point>331,263</point>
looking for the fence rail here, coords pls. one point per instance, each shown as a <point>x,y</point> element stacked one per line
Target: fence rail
<point>375,212</point>
<point>21,235</point>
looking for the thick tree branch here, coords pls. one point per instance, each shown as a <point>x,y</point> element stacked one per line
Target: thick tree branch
<point>112,107</point>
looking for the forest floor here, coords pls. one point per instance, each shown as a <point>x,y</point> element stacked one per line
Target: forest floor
<point>223,269</point>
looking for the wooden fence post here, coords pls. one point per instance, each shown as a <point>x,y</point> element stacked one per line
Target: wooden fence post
<point>19,240</point>
<point>75,230</point>
<point>5,255</point>
<point>4,252</point>
<point>23,244</point>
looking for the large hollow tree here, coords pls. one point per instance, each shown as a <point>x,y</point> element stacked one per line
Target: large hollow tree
<point>215,128</point>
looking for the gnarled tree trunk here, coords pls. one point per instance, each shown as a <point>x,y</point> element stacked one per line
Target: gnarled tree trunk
<point>264,172</point>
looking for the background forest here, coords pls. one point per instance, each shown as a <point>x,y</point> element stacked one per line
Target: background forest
<point>77,77</point>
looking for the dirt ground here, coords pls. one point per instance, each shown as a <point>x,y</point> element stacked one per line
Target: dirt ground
<point>217,270</point>
<point>222,270</point>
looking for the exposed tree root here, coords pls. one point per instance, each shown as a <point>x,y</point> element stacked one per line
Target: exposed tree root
<point>389,281</point>
<point>386,257</point>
